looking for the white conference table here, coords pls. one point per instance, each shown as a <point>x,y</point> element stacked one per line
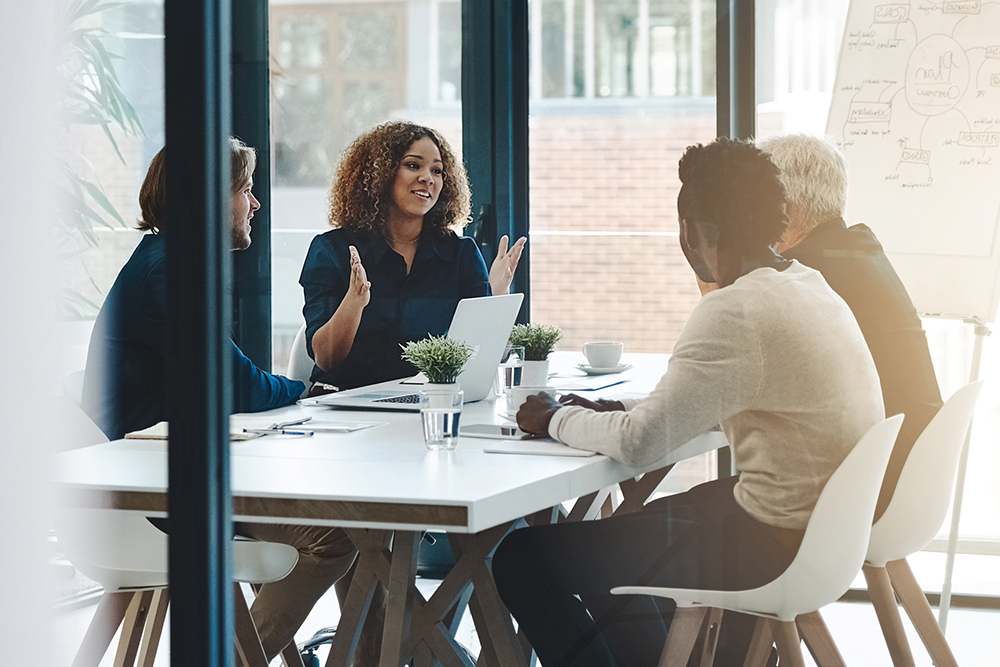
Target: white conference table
<point>386,489</point>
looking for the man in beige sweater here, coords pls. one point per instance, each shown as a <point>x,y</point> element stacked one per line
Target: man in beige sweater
<point>776,357</point>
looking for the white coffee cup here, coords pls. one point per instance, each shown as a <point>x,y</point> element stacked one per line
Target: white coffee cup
<point>603,355</point>
<point>519,394</point>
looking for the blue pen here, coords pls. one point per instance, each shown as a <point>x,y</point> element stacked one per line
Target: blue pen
<point>276,431</point>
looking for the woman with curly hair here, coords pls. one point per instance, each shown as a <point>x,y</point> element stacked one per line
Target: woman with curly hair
<point>393,268</point>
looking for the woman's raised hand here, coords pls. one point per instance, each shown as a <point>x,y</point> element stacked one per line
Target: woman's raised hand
<point>359,289</point>
<point>504,265</point>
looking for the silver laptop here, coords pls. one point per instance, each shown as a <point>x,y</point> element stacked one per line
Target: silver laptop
<point>484,323</point>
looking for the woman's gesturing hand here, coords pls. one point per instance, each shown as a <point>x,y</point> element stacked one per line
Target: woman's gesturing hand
<point>504,265</point>
<point>360,288</point>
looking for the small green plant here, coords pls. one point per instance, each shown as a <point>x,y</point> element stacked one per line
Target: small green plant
<point>538,340</point>
<point>440,359</point>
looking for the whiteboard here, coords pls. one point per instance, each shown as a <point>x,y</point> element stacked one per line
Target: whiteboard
<point>916,112</point>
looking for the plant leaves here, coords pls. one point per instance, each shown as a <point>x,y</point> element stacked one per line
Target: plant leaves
<point>98,195</point>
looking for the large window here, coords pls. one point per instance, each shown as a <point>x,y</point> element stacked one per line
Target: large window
<point>113,120</point>
<point>619,89</point>
<point>339,68</point>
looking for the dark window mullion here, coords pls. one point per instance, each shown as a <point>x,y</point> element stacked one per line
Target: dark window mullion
<point>197,78</point>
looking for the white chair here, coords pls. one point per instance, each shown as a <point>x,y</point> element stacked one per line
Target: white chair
<point>300,365</point>
<point>127,556</point>
<point>913,517</point>
<point>829,558</point>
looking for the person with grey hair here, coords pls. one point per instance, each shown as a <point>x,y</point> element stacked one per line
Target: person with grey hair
<point>814,174</point>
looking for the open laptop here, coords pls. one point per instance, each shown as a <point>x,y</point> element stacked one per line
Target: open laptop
<point>484,324</point>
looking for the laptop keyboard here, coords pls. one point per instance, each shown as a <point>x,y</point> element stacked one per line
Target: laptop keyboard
<point>408,398</point>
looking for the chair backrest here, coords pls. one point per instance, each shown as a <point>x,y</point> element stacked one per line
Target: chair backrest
<point>922,496</point>
<point>836,538</point>
<point>300,365</point>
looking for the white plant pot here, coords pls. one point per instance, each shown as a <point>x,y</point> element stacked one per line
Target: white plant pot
<point>535,373</point>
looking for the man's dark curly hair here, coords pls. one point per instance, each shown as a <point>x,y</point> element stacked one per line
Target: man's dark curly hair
<point>361,193</point>
<point>733,185</point>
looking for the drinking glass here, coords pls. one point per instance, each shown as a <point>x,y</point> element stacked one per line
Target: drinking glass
<point>440,411</point>
<point>509,372</point>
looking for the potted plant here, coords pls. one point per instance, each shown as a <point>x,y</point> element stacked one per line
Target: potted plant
<point>538,340</point>
<point>441,360</point>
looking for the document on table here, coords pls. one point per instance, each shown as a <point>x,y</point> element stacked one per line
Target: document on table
<point>546,447</point>
<point>237,424</point>
<point>576,383</point>
<point>160,431</point>
<point>321,426</point>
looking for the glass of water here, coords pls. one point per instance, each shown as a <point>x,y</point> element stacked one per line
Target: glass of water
<point>440,411</point>
<point>509,372</point>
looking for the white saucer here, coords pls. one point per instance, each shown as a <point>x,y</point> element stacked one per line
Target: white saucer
<point>590,370</point>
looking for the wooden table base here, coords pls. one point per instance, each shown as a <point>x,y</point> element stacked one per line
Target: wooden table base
<point>421,631</point>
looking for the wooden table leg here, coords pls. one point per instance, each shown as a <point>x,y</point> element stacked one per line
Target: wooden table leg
<point>249,651</point>
<point>493,621</point>
<point>372,546</point>
<point>430,628</point>
<point>637,491</point>
<point>398,612</point>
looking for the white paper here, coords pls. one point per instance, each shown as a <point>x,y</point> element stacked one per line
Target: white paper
<point>536,448</point>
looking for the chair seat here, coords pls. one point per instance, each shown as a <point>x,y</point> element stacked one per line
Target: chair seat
<point>123,551</point>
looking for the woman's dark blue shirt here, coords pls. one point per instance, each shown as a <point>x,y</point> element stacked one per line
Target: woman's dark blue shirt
<point>403,307</point>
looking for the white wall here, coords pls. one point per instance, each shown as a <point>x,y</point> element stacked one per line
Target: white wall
<point>27,290</point>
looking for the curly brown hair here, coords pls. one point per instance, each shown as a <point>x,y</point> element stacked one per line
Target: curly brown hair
<point>362,188</point>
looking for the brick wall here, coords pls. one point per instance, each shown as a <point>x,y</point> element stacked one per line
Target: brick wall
<point>611,174</point>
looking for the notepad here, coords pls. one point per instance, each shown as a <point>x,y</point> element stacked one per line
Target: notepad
<point>161,431</point>
<point>536,448</point>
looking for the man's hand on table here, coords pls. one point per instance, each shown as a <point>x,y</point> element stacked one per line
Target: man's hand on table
<point>600,405</point>
<point>536,412</point>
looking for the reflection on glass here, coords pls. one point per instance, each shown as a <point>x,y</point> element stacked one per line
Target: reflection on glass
<point>366,104</point>
<point>338,68</point>
<point>366,40</point>
<point>303,43</point>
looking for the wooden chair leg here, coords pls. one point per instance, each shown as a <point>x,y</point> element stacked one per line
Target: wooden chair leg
<point>818,640</point>
<point>709,637</point>
<point>154,627</point>
<point>109,615</point>
<point>683,634</point>
<point>919,611</point>
<point>132,629</point>
<point>249,652</point>
<point>760,644</point>
<point>786,637</point>
<point>884,601</point>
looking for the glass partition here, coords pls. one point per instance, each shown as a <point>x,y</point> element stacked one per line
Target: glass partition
<point>798,44</point>
<point>110,81</point>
